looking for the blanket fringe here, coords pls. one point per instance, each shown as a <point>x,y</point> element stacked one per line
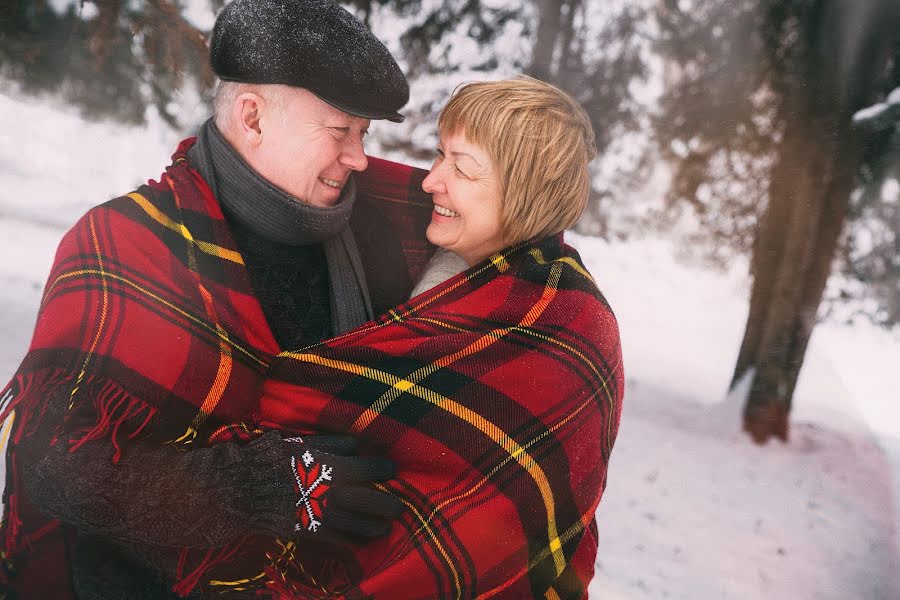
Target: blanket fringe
<point>12,522</point>
<point>26,398</point>
<point>186,582</point>
<point>24,403</point>
<point>115,407</point>
<point>288,577</point>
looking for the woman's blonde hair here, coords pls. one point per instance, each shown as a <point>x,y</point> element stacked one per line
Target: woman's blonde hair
<point>540,142</point>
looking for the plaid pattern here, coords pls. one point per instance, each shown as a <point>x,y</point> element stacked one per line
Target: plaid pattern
<point>149,324</point>
<point>498,394</point>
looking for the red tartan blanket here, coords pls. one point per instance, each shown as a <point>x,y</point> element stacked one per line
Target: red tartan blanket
<point>149,324</point>
<point>498,393</point>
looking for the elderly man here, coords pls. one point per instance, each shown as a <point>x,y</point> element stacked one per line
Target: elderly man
<point>128,477</point>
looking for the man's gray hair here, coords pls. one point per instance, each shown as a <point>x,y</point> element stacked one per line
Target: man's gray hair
<point>276,96</point>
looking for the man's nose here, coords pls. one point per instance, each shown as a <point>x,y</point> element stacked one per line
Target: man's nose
<point>354,155</point>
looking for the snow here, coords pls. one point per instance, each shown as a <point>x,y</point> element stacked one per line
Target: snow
<point>870,112</point>
<point>877,109</point>
<point>692,509</point>
<point>894,96</point>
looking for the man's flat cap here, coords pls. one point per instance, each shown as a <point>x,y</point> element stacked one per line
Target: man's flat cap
<point>313,44</point>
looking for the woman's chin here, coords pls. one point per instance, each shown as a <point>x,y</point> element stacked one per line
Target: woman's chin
<point>436,237</point>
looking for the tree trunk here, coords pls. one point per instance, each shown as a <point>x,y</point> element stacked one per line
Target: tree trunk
<point>813,227</point>
<point>367,12</point>
<point>768,249</point>
<point>779,312</point>
<point>810,190</point>
<point>549,19</point>
<point>567,60</point>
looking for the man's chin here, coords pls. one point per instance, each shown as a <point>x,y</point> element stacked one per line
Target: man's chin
<point>323,199</point>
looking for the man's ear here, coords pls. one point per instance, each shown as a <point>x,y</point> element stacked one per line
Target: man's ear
<point>248,109</point>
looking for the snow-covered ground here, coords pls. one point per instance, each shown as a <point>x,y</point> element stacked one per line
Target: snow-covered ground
<point>693,510</point>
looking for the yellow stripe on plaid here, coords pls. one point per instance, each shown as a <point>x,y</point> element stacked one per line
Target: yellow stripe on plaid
<point>499,261</point>
<point>179,228</point>
<point>216,331</point>
<point>570,532</point>
<point>4,433</point>
<point>545,338</point>
<point>434,538</point>
<point>604,381</point>
<point>399,317</point>
<point>103,309</point>
<point>399,386</point>
<point>568,535</point>
<point>478,345</point>
<point>571,262</point>
<point>538,256</point>
<point>223,372</point>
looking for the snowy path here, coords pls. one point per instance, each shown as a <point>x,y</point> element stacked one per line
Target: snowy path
<point>694,511</point>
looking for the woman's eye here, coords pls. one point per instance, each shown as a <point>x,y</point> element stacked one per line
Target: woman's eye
<point>461,172</point>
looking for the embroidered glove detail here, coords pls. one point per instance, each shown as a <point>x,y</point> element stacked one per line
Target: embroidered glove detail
<point>336,499</point>
<point>312,484</point>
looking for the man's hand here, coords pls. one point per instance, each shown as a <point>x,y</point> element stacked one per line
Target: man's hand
<point>335,499</point>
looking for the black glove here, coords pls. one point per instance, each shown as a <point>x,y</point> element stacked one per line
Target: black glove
<point>335,499</point>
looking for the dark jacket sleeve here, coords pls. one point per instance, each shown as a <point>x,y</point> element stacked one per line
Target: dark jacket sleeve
<point>158,494</point>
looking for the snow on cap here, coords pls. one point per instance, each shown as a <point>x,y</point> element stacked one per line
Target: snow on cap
<point>313,44</point>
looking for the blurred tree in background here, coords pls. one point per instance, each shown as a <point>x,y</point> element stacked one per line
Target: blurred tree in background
<point>108,57</point>
<point>758,122</point>
<point>754,118</point>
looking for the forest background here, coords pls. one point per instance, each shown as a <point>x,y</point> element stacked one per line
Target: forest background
<point>761,136</point>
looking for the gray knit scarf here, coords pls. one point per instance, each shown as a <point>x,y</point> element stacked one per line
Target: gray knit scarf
<point>279,217</point>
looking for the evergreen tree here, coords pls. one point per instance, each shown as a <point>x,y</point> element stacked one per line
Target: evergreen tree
<point>871,256</point>
<point>758,123</point>
<point>108,57</point>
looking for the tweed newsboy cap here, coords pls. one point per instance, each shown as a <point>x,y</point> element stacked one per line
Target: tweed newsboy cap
<point>313,44</point>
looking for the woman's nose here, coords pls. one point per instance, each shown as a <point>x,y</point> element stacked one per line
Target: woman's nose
<point>433,182</point>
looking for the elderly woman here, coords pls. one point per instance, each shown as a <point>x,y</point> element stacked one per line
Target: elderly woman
<point>511,166</point>
<point>496,392</point>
